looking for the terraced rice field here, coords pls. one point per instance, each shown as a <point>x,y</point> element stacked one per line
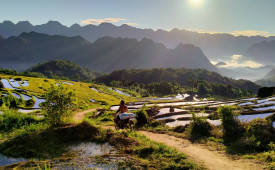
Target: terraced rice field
<point>29,87</point>
<point>252,108</point>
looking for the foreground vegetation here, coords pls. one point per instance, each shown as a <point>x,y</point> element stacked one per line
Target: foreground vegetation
<point>48,143</point>
<point>252,140</point>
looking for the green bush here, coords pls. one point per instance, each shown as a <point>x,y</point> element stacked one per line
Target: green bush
<point>142,117</point>
<point>198,127</point>
<point>12,119</point>
<point>29,102</point>
<point>59,105</point>
<point>10,101</point>
<point>231,126</point>
<point>259,131</point>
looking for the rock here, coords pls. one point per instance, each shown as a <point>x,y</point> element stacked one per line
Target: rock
<point>266,92</point>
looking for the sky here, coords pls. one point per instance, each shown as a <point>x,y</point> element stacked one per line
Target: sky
<point>238,17</point>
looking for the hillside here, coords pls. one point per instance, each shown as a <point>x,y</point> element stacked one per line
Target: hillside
<point>182,76</point>
<point>106,54</point>
<point>268,80</point>
<point>270,74</point>
<point>64,69</point>
<point>262,52</point>
<point>88,95</point>
<point>214,45</point>
<point>1,39</point>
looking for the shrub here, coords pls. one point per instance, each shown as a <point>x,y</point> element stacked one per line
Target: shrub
<point>29,102</point>
<point>12,119</point>
<point>18,79</point>
<point>259,131</point>
<point>231,126</point>
<point>58,105</point>
<point>142,117</point>
<point>198,127</point>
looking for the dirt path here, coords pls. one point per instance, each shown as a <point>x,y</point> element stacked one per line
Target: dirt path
<point>79,116</point>
<point>197,153</point>
<point>213,160</point>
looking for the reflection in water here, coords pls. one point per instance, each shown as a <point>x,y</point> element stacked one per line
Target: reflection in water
<point>6,84</point>
<point>118,91</point>
<point>92,149</point>
<point>7,161</point>
<point>37,102</point>
<point>247,118</point>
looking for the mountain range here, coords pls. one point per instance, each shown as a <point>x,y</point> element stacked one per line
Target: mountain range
<point>105,54</point>
<point>215,46</point>
<point>262,52</point>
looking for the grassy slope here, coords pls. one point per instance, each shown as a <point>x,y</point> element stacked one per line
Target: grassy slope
<point>38,87</point>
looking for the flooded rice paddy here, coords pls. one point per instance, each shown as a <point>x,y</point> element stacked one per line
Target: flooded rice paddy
<point>183,109</point>
<point>80,156</point>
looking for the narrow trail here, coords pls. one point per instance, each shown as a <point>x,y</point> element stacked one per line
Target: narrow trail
<point>201,155</point>
<point>79,116</point>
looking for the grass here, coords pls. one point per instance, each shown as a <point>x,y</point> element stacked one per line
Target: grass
<point>12,119</point>
<point>52,143</point>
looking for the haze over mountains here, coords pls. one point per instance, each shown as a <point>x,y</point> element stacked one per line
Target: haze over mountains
<point>215,46</point>
<point>106,54</point>
<point>263,52</point>
<point>107,47</point>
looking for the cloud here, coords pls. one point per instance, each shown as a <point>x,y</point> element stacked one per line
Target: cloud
<point>99,21</point>
<point>251,33</point>
<point>236,61</point>
<point>248,33</point>
<point>131,24</point>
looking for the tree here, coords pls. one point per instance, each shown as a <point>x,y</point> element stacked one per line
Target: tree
<point>202,90</point>
<point>59,104</point>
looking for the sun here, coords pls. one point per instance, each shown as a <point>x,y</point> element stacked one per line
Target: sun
<point>196,3</point>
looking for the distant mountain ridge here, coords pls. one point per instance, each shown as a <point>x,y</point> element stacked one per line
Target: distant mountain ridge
<point>213,45</point>
<point>106,54</point>
<point>262,52</point>
<point>270,74</point>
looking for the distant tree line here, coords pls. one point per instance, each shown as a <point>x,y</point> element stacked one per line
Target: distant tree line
<point>162,81</point>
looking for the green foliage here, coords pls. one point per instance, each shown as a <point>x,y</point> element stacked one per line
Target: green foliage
<point>231,126</point>
<point>47,143</point>
<point>202,90</point>
<point>142,117</point>
<point>10,101</point>
<point>182,79</point>
<point>12,119</point>
<point>198,128</point>
<point>65,70</point>
<point>259,131</point>
<point>59,104</point>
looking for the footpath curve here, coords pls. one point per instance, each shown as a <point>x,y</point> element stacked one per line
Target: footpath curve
<point>213,160</point>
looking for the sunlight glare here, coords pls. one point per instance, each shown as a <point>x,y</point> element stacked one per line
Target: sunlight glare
<point>195,3</point>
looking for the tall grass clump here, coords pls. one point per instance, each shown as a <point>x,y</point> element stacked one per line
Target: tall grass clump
<point>142,117</point>
<point>11,119</point>
<point>231,126</point>
<point>198,127</point>
<point>259,132</point>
